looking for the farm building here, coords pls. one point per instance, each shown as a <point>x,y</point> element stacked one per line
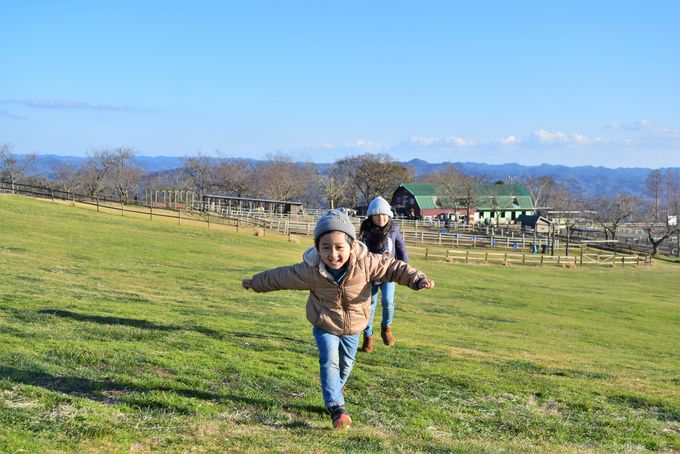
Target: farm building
<point>228,203</point>
<point>534,223</point>
<point>490,203</point>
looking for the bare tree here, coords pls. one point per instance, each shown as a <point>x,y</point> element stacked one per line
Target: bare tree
<point>371,175</point>
<point>67,177</point>
<point>12,166</point>
<point>664,193</point>
<point>335,187</point>
<point>125,174</point>
<point>457,189</point>
<point>658,232</point>
<point>569,202</point>
<point>671,184</point>
<point>611,211</point>
<point>94,171</point>
<point>653,188</point>
<point>235,177</point>
<point>540,189</point>
<point>280,178</point>
<point>200,170</point>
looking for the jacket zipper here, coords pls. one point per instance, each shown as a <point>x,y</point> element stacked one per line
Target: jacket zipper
<point>346,320</point>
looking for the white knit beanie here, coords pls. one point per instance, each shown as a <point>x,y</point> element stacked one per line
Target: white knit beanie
<point>379,206</point>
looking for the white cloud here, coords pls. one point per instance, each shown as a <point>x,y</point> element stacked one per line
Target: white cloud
<point>550,137</point>
<point>545,137</point>
<point>366,145</point>
<point>440,141</point>
<point>510,140</point>
<point>639,125</point>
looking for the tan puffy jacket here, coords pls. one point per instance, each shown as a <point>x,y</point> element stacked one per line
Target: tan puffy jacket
<point>339,309</point>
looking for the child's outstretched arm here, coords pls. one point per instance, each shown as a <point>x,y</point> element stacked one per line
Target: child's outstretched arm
<point>389,269</point>
<point>294,277</point>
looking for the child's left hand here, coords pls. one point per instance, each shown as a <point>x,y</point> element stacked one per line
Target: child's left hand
<point>247,284</point>
<point>425,283</point>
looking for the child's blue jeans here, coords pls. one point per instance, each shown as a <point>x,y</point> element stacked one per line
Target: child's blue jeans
<point>336,359</point>
<point>387,299</point>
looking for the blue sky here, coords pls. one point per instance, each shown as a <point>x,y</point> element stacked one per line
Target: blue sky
<point>574,83</point>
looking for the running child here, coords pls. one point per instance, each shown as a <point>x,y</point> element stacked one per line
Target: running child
<point>338,273</point>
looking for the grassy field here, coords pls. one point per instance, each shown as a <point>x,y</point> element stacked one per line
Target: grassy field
<point>128,335</point>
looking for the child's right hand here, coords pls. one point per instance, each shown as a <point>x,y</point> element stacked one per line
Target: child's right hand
<point>247,284</point>
<point>425,283</point>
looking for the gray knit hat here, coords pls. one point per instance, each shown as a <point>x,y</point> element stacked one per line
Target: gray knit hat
<point>379,206</point>
<point>334,220</point>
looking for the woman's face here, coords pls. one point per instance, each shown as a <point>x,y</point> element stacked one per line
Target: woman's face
<point>380,220</point>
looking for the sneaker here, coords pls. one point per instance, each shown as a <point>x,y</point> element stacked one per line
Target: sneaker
<point>340,417</point>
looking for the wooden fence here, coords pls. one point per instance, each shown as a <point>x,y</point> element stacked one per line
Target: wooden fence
<point>510,259</point>
<point>101,204</point>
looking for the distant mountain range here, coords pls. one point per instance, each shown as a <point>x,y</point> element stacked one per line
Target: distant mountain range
<point>592,180</point>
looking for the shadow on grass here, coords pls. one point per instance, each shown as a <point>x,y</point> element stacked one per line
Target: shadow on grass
<point>144,324</point>
<point>111,392</point>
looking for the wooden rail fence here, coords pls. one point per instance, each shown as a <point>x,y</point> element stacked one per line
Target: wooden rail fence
<point>507,258</point>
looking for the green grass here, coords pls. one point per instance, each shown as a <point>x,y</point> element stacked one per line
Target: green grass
<point>120,334</point>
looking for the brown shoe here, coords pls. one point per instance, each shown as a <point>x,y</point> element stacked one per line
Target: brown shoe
<point>368,344</point>
<point>386,334</point>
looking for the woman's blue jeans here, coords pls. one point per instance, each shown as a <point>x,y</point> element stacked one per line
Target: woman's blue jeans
<point>387,299</point>
<point>336,359</point>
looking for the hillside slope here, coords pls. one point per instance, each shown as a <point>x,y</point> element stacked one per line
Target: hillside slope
<point>120,334</point>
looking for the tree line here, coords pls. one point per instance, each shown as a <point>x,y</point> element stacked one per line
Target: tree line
<point>352,182</point>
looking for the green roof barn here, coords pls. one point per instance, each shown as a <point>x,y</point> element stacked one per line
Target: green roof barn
<point>497,203</point>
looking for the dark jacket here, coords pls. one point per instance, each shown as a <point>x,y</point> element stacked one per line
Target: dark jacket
<point>394,244</point>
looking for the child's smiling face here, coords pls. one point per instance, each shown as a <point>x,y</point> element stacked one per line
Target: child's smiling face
<point>334,249</point>
<point>380,220</point>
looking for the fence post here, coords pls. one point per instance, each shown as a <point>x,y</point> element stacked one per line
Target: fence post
<point>581,260</point>
<point>486,257</point>
<point>208,213</point>
<point>623,261</point>
<point>179,217</point>
<point>558,260</point>
<point>425,254</point>
<point>150,213</point>
<point>523,258</point>
<point>505,260</point>
<point>52,194</point>
<point>541,261</point>
<point>97,204</point>
<point>237,224</point>
<point>122,208</point>
<point>467,256</point>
